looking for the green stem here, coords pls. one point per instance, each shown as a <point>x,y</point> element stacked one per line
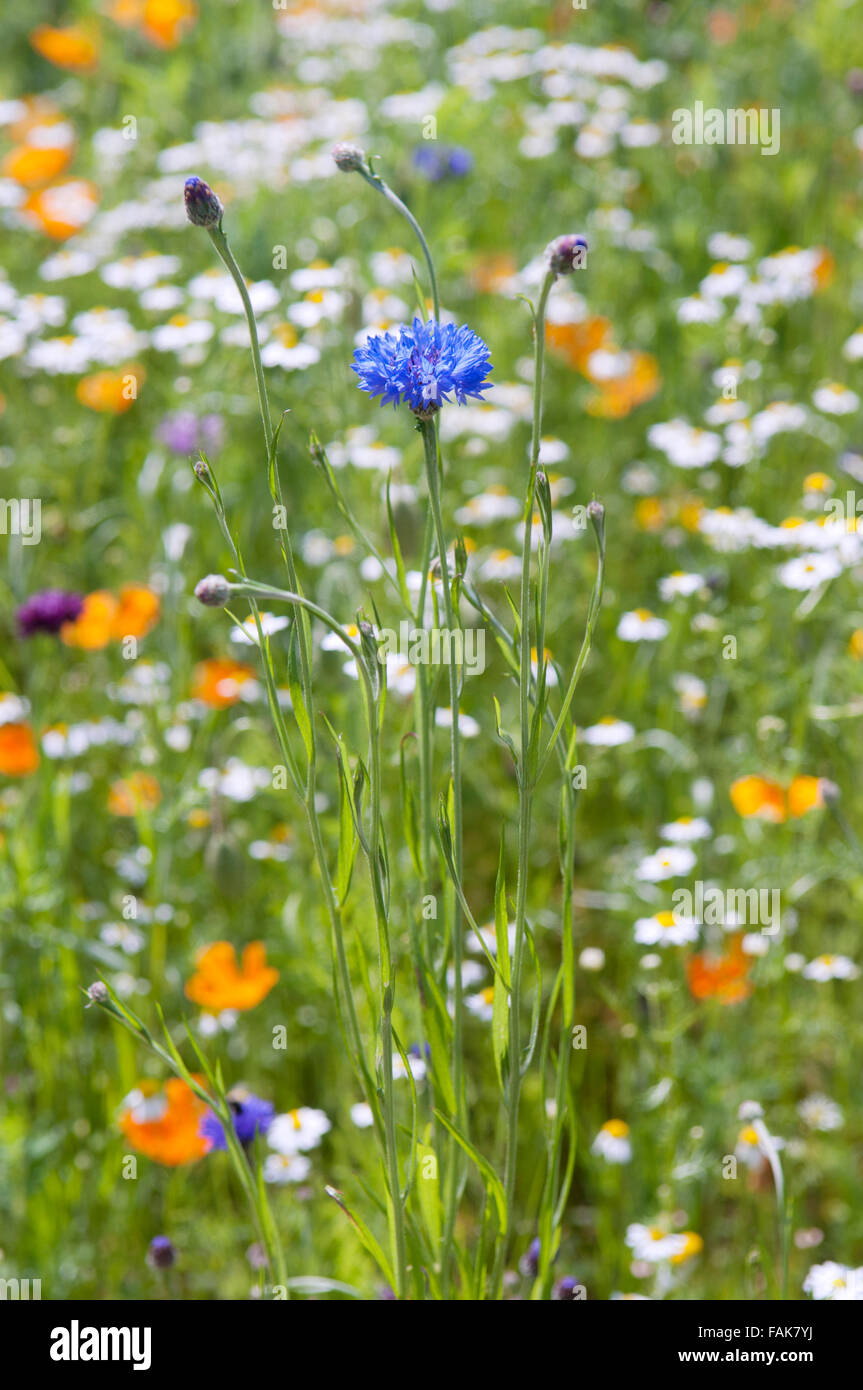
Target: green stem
<point>433,478</point>
<point>526,784</point>
<point>378,184</point>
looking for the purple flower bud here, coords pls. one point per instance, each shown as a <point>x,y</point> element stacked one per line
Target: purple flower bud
<point>529,1262</point>
<point>349,158</point>
<point>161,1254</point>
<point>566,254</point>
<point>48,611</point>
<point>97,993</point>
<point>213,591</point>
<point>565,1289</point>
<point>202,206</point>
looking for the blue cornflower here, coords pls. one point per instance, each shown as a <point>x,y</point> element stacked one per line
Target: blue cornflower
<point>251,1116</point>
<point>424,366</point>
<point>440,162</point>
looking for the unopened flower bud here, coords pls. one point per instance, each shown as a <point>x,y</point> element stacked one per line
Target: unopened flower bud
<point>213,591</point>
<point>202,206</point>
<point>161,1254</point>
<point>566,254</point>
<point>595,510</point>
<point>97,994</point>
<point>349,158</point>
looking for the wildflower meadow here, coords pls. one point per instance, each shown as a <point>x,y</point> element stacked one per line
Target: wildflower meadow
<point>431,822</point>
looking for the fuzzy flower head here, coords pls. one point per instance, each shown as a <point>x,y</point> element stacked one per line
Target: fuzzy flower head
<point>424,366</point>
<point>48,611</point>
<point>203,207</point>
<point>348,158</point>
<point>566,254</point>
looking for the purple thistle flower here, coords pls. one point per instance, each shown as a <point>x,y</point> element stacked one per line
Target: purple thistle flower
<point>48,611</point>
<point>251,1116</point>
<point>202,205</point>
<point>424,366</point>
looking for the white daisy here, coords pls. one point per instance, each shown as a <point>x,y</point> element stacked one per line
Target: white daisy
<point>612,1142</point>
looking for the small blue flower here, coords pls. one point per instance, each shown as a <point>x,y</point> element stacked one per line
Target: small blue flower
<point>441,162</point>
<point>251,1116</point>
<point>424,366</point>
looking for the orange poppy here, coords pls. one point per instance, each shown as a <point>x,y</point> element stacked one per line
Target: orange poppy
<point>621,395</point>
<point>19,755</point>
<point>74,47</point>
<point>111,392</point>
<point>217,983</point>
<point>32,166</point>
<point>720,977</point>
<point>576,342</point>
<point>804,794</point>
<point>163,21</point>
<point>92,628</point>
<point>131,795</point>
<point>758,796</point>
<point>218,682</point>
<point>137,612</point>
<point>62,209</point>
<point>164,1124</point>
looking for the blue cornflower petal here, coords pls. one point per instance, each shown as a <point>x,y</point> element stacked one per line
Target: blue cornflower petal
<point>251,1116</point>
<point>424,366</point>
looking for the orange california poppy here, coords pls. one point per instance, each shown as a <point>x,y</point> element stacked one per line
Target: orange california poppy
<point>218,682</point>
<point>758,796</point>
<point>164,1124</point>
<point>111,392</point>
<point>576,342</point>
<point>74,47</point>
<point>217,983</point>
<point>137,612</point>
<point>62,209</point>
<point>163,21</point>
<point>19,755</point>
<point>92,628</point>
<point>720,977</point>
<point>131,795</point>
<point>32,166</point>
<point>621,395</point>
<point>804,794</point>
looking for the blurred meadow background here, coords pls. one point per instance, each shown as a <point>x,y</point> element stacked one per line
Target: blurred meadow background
<point>702,379</point>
